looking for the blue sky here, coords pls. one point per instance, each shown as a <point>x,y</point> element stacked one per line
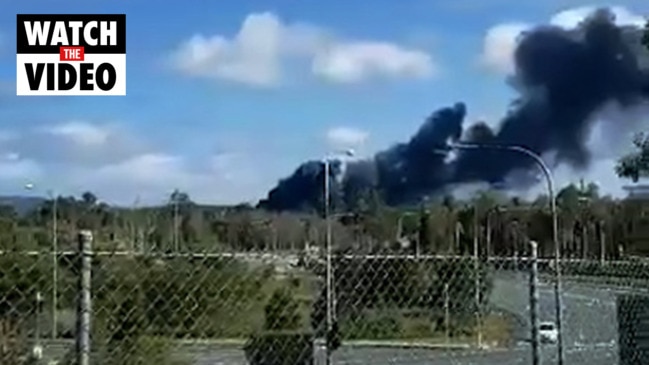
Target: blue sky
<point>269,85</point>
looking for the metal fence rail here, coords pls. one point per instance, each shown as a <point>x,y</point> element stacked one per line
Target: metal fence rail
<point>124,307</point>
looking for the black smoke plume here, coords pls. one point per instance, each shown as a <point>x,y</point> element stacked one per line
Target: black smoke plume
<point>563,78</point>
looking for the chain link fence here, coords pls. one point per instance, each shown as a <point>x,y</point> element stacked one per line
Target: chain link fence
<point>253,308</point>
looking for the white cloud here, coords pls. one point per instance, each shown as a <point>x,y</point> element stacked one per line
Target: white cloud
<point>17,171</point>
<point>80,133</point>
<point>78,142</point>
<point>346,137</point>
<point>151,176</point>
<point>500,40</point>
<point>257,53</point>
<point>251,57</point>
<point>146,170</point>
<point>357,61</point>
<point>499,46</point>
<point>7,136</point>
<point>118,164</point>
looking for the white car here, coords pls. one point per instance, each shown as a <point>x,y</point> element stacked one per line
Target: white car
<point>548,332</point>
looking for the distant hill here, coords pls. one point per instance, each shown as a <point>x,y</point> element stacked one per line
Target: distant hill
<point>22,204</point>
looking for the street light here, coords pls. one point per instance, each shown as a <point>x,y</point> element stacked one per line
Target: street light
<point>329,275</point>
<point>555,230</point>
<point>55,261</point>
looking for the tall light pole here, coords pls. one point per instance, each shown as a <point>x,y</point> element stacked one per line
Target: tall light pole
<point>175,196</point>
<point>476,273</point>
<point>135,226</point>
<point>555,229</point>
<point>55,261</point>
<point>329,274</point>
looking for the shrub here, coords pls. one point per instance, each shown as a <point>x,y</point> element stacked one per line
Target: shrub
<point>372,326</point>
<point>282,311</point>
<point>13,347</point>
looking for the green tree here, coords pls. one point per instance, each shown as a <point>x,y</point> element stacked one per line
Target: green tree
<point>635,164</point>
<point>89,199</point>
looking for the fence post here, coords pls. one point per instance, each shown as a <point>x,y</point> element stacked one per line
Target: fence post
<point>84,304</point>
<point>476,270</point>
<point>37,350</point>
<point>447,322</point>
<point>534,303</point>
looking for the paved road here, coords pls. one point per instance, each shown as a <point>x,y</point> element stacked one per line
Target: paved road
<point>589,323</point>
<point>517,356</point>
<point>590,327</point>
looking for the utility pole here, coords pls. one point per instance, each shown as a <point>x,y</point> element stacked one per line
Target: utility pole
<point>534,304</point>
<point>488,234</point>
<point>135,224</point>
<point>55,264</point>
<point>55,256</point>
<point>476,270</point>
<point>602,242</point>
<point>329,269</point>
<point>447,320</point>
<point>175,197</point>
<point>84,298</point>
<point>329,279</point>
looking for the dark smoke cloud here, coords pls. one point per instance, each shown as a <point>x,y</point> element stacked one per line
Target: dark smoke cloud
<point>563,77</point>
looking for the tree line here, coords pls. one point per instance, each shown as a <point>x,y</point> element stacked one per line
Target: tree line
<point>590,226</point>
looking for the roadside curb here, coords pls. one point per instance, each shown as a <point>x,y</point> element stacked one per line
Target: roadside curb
<point>462,347</point>
<point>237,342</point>
<point>610,283</point>
<point>405,344</point>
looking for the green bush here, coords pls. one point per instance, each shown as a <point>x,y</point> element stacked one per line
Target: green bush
<point>401,283</point>
<point>370,326</point>
<point>21,277</point>
<point>192,298</point>
<point>280,348</point>
<point>13,344</point>
<point>282,311</point>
